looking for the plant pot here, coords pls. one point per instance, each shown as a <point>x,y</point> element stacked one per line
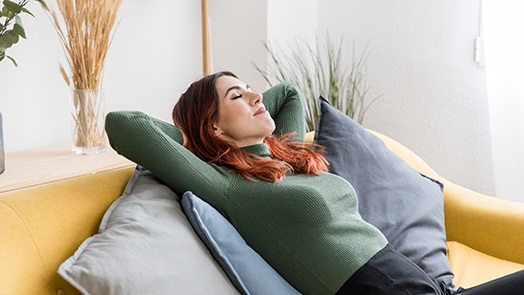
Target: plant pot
<point>88,121</point>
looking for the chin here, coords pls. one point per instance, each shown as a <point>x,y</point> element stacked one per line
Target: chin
<point>271,130</point>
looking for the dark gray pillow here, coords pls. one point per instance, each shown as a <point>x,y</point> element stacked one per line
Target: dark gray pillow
<point>248,271</point>
<point>405,206</point>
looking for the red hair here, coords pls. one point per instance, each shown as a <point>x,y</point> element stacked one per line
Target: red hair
<point>197,110</point>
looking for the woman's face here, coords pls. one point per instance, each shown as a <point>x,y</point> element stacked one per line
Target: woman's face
<point>242,118</point>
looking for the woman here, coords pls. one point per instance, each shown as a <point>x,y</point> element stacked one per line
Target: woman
<point>276,191</point>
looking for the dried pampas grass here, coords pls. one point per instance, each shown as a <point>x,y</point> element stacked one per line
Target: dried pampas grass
<point>85,30</point>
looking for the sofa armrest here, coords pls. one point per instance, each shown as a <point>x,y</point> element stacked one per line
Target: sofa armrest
<point>487,224</point>
<point>41,226</point>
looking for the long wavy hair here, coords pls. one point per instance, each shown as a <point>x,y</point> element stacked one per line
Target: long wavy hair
<point>197,110</point>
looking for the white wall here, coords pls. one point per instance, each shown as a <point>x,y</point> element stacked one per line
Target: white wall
<point>155,54</point>
<point>238,30</point>
<point>504,63</point>
<point>289,26</point>
<point>434,94</point>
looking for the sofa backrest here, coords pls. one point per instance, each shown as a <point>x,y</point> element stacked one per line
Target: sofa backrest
<point>41,226</point>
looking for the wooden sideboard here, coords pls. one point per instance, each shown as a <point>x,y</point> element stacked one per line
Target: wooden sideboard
<point>53,163</point>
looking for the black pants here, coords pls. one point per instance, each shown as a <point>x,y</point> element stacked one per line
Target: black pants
<point>391,273</point>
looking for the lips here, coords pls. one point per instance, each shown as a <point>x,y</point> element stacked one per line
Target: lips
<point>261,110</point>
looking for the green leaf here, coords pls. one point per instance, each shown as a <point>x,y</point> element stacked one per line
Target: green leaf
<point>27,11</point>
<point>12,59</point>
<point>44,5</point>
<point>5,11</point>
<point>6,41</point>
<point>14,35</point>
<point>13,7</point>
<point>2,56</point>
<point>19,30</point>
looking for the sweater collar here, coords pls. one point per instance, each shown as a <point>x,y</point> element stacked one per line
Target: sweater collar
<point>260,149</point>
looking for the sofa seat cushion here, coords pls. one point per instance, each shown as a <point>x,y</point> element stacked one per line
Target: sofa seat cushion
<point>472,267</point>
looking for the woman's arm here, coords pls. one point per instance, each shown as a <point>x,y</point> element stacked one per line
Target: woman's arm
<point>154,144</point>
<point>284,103</point>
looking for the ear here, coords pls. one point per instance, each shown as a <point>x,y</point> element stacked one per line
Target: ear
<point>184,139</point>
<point>218,131</point>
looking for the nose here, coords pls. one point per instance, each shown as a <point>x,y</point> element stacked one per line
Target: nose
<point>255,98</point>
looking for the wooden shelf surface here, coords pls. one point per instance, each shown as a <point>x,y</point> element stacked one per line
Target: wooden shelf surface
<point>49,164</point>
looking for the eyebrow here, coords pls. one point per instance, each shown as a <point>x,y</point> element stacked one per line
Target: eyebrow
<point>236,87</point>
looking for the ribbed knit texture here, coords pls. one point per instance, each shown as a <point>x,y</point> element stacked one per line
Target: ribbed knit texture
<point>307,227</point>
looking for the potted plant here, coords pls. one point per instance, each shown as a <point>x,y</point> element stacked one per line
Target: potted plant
<point>319,71</point>
<point>11,30</point>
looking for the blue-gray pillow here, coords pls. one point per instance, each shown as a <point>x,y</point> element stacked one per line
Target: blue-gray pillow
<point>246,269</point>
<point>405,206</point>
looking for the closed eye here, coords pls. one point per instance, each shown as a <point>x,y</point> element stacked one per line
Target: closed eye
<point>237,87</point>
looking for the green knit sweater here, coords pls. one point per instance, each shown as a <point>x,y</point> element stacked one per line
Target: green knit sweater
<point>307,227</point>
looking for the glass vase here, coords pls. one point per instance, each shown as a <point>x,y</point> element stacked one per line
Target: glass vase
<point>88,121</point>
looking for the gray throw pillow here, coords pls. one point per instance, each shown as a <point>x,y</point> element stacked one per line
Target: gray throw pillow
<point>248,271</point>
<point>145,245</point>
<point>405,206</point>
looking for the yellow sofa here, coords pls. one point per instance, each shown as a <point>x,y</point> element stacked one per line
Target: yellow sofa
<point>484,234</point>
<point>42,226</point>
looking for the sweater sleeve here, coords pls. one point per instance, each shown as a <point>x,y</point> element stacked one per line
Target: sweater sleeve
<point>154,144</point>
<point>284,103</point>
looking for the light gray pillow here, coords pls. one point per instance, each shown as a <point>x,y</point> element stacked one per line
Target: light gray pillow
<point>145,245</point>
<point>405,206</point>
<point>248,271</point>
